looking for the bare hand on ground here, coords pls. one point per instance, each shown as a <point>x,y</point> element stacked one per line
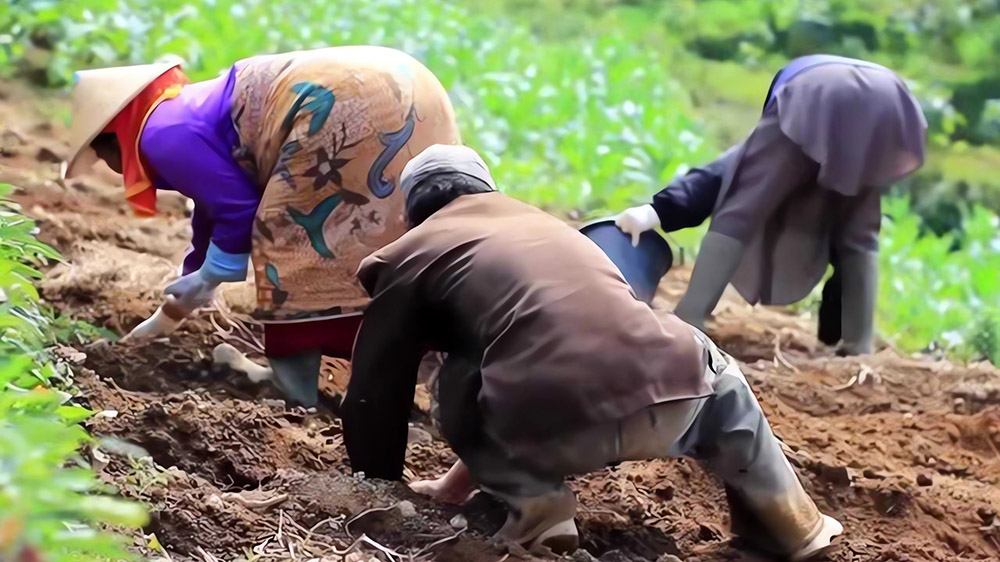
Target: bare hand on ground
<point>456,486</point>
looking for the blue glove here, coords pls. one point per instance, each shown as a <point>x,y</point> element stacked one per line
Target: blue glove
<point>196,289</point>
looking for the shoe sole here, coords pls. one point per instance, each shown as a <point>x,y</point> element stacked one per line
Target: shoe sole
<point>821,543</point>
<point>561,538</point>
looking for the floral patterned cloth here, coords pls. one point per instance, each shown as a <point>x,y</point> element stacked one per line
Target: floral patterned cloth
<point>325,134</point>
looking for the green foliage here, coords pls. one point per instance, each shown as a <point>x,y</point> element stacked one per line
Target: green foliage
<point>945,47</point>
<point>20,318</point>
<point>51,505</point>
<point>582,124</point>
<point>585,106</point>
<point>940,289</point>
<point>70,331</point>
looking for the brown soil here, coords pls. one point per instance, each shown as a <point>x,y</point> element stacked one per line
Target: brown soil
<point>907,457</point>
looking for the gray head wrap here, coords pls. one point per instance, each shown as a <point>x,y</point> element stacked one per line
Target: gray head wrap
<point>444,159</point>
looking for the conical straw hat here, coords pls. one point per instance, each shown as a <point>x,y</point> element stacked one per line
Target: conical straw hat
<point>99,96</point>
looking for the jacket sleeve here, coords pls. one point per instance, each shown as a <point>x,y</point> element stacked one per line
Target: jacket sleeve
<point>690,199</point>
<point>227,200</point>
<point>201,227</point>
<point>384,366</point>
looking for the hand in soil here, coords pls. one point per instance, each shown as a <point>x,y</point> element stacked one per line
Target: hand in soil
<point>455,487</point>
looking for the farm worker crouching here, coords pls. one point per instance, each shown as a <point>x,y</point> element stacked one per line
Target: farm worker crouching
<point>553,367</point>
<point>800,192</point>
<point>291,160</point>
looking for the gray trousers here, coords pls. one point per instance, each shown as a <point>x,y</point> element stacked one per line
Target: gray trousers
<point>727,431</point>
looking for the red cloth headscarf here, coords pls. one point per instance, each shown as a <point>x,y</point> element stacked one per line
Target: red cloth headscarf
<point>127,127</point>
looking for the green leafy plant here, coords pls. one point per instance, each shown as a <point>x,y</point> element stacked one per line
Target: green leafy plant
<point>587,106</point>
<point>52,507</point>
<point>940,290</point>
<point>50,502</point>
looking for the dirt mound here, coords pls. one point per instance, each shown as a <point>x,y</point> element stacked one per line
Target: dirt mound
<point>903,450</point>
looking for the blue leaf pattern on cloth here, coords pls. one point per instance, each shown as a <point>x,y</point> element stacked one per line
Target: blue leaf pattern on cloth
<point>313,223</point>
<point>272,274</point>
<point>393,142</point>
<point>314,98</point>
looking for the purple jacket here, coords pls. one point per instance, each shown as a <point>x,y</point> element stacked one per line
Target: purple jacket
<point>188,142</point>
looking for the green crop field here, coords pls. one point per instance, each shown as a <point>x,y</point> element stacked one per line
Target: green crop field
<point>586,107</point>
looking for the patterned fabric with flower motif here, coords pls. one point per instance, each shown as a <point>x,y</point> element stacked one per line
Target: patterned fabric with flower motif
<point>326,133</point>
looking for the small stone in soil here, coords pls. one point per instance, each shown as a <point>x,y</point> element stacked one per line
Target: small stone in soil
<point>582,555</point>
<point>924,480</point>
<point>214,502</point>
<point>407,509</point>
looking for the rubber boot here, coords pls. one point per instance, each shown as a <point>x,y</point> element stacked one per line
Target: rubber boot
<point>543,520</point>
<point>820,543</point>
<point>718,258</point>
<point>786,525</point>
<point>831,309</point>
<point>297,376</point>
<point>860,289</point>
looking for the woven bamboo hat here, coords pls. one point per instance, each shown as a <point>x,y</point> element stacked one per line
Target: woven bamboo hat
<point>99,95</point>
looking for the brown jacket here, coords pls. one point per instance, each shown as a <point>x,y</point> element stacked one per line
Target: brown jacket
<point>561,339</point>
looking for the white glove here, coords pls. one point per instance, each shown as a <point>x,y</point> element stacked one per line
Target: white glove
<point>637,220</point>
<point>184,296</point>
<point>192,291</point>
<point>226,354</point>
<point>159,324</point>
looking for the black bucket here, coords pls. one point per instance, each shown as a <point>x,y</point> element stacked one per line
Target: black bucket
<point>642,266</point>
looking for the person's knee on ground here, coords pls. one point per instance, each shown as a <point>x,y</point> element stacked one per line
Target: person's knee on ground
<point>297,376</point>
<point>718,258</point>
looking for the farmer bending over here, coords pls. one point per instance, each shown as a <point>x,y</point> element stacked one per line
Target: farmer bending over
<point>553,368</point>
<point>800,192</point>
<point>291,159</point>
